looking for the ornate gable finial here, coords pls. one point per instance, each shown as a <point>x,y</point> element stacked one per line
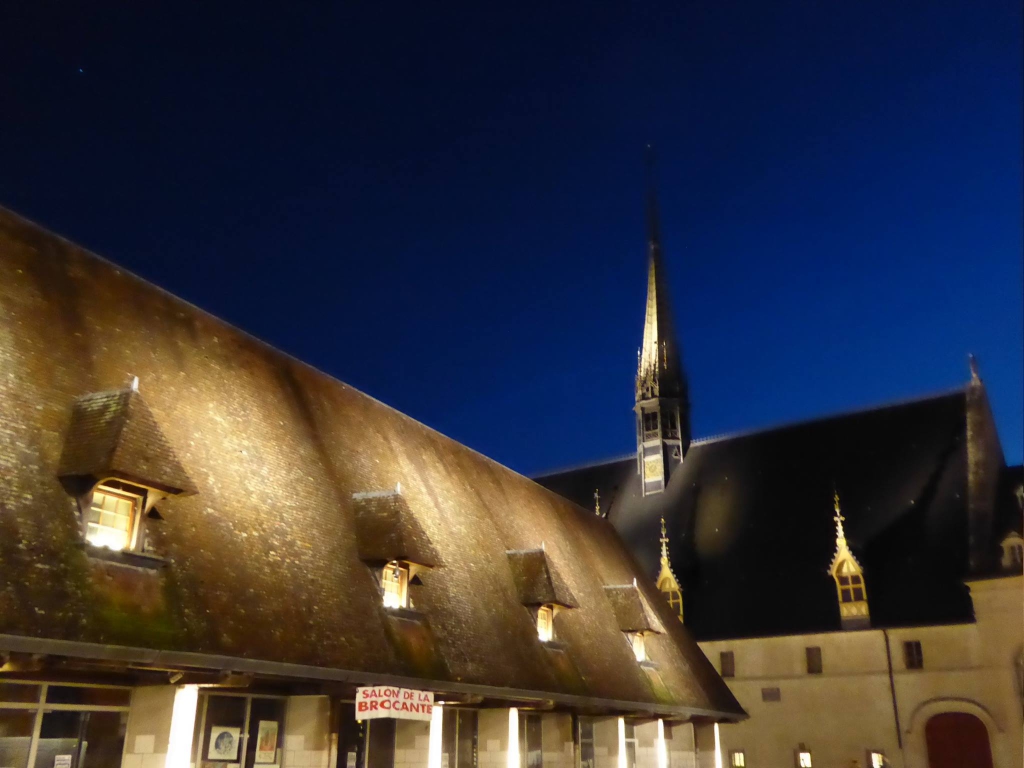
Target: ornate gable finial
<point>597,502</point>
<point>839,519</point>
<point>851,589</point>
<point>667,582</point>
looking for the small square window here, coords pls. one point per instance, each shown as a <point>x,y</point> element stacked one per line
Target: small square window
<point>111,518</point>
<point>395,583</point>
<point>814,660</point>
<point>803,759</point>
<point>738,759</point>
<point>771,694</point>
<point>727,664</point>
<point>546,623</point>
<point>912,654</point>
<point>638,644</point>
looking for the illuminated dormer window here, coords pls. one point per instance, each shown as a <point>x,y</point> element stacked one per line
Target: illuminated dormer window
<point>395,584</point>
<point>546,623</point>
<point>803,759</point>
<point>111,519</point>
<point>638,644</point>
<point>849,577</point>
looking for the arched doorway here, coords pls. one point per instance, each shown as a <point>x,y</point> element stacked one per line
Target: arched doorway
<point>957,740</point>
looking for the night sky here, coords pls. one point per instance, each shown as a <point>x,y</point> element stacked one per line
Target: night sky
<point>442,203</point>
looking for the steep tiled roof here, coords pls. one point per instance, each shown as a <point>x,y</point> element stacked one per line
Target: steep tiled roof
<point>537,580</point>
<point>386,529</point>
<point>632,611</point>
<point>750,519</point>
<point>265,561</point>
<point>113,434</point>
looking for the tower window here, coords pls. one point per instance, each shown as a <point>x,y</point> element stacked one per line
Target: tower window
<point>638,644</point>
<point>912,654</point>
<point>851,587</point>
<point>111,518</point>
<point>814,660</point>
<point>671,427</point>
<point>546,623</point>
<point>650,422</point>
<point>395,584</point>
<point>727,664</point>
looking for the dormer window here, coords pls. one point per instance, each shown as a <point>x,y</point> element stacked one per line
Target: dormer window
<point>546,623</point>
<point>540,589</point>
<point>635,616</point>
<point>849,579</point>
<point>394,582</point>
<point>638,644</point>
<point>111,519</point>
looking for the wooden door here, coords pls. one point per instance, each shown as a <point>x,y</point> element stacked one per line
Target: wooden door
<point>957,740</point>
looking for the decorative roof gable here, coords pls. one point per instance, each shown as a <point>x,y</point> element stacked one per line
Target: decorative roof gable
<point>537,580</point>
<point>632,610</point>
<point>114,434</point>
<point>387,529</point>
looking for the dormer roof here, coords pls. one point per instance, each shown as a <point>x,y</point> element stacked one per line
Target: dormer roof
<point>537,580</point>
<point>114,434</point>
<point>632,611</point>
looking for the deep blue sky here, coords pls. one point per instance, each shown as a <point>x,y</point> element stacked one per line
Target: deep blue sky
<point>441,203</point>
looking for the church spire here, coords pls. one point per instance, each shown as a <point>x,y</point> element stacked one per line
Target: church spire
<point>662,405</point>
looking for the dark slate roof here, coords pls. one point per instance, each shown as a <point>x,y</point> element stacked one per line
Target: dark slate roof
<point>387,529</point>
<point>1009,515</point>
<point>751,529</point>
<point>114,434</point>
<point>263,562</point>
<point>632,611</point>
<point>537,580</point>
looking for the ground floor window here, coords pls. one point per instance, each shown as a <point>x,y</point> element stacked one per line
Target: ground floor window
<point>458,739</point>
<point>531,748</point>
<point>585,741</point>
<point>44,725</point>
<point>244,729</point>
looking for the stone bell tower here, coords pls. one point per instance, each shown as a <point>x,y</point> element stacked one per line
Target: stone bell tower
<point>662,401</point>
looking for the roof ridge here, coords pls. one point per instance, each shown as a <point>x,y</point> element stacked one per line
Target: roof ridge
<point>717,437</point>
<point>937,395</point>
<point>252,337</point>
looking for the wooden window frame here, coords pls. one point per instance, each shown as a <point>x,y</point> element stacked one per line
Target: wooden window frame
<point>546,623</point>
<point>913,654</point>
<point>814,662</point>
<point>137,499</point>
<point>637,644</point>
<point>733,754</point>
<point>727,664</point>
<point>394,584</point>
<point>800,762</point>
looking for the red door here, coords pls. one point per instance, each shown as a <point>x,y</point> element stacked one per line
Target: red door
<point>957,740</point>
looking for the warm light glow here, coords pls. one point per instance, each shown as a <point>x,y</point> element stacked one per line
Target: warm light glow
<point>109,519</point>
<point>739,759</point>
<point>395,581</point>
<point>804,759</point>
<point>622,743</point>
<point>718,748</point>
<point>662,747</point>
<point>513,738</point>
<point>183,721</point>
<point>636,640</point>
<point>877,760</point>
<point>546,623</point>
<point>434,743</point>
